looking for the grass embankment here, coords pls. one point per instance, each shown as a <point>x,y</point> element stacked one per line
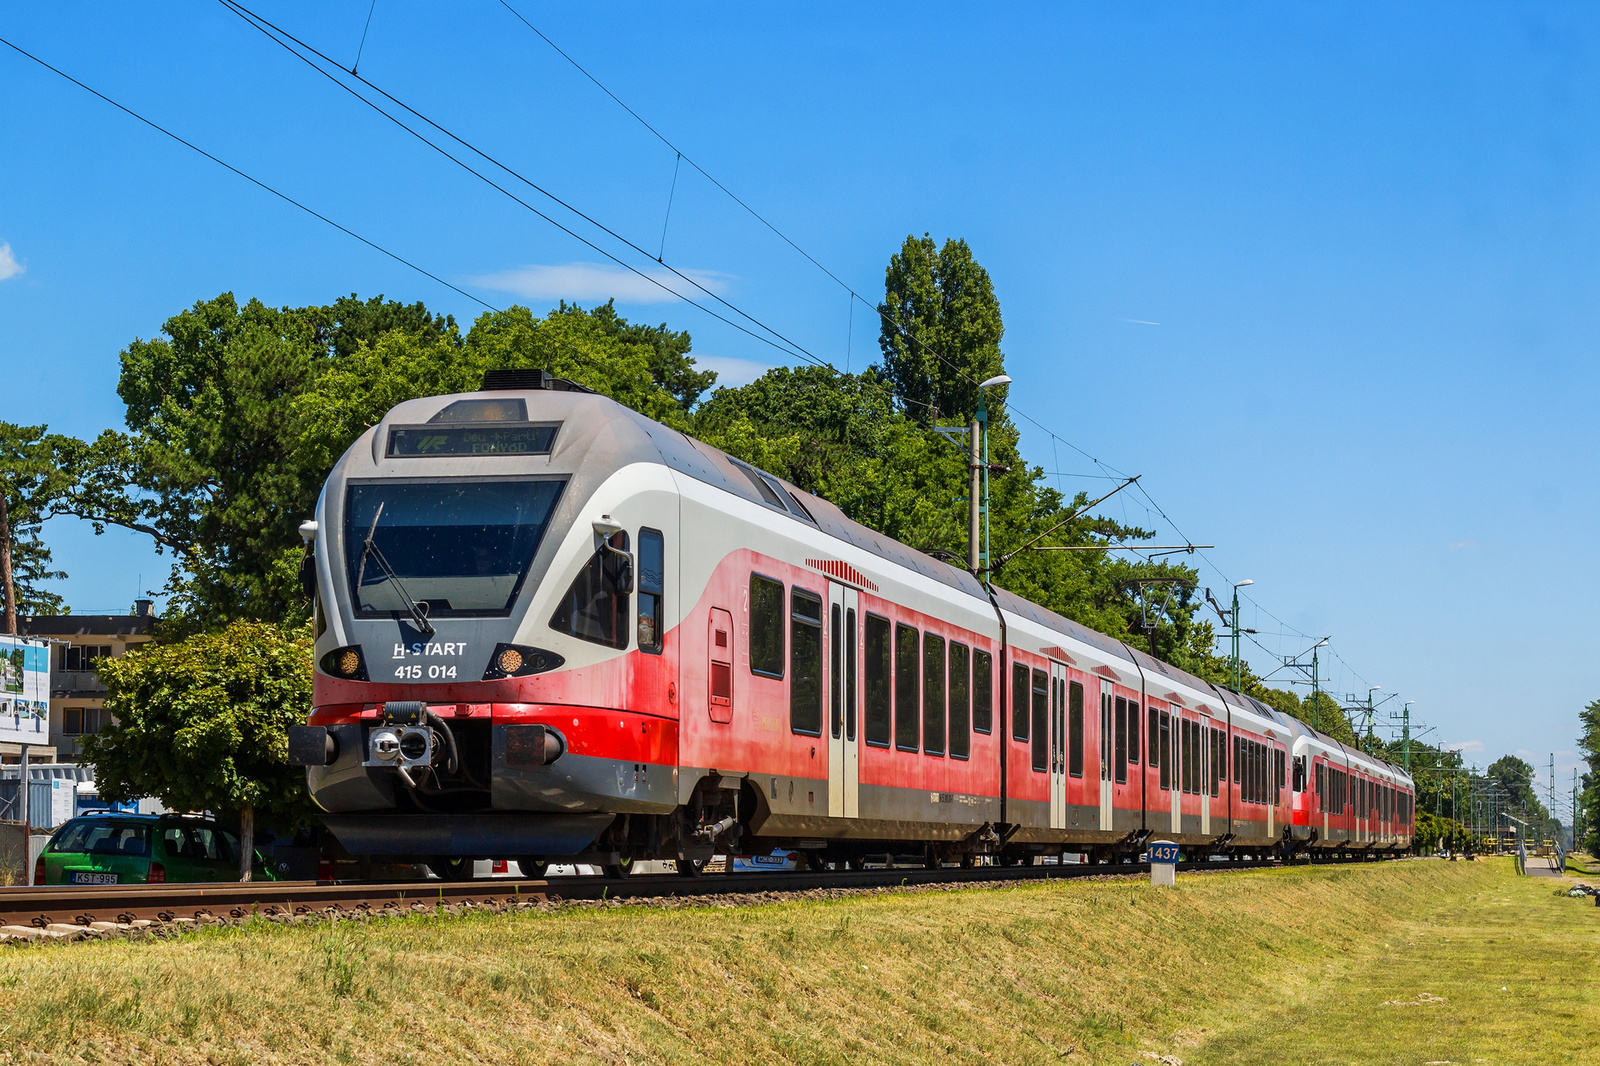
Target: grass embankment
<point>1375,963</point>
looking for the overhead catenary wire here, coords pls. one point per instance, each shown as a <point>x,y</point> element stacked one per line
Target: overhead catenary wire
<point>297,48</point>
<point>285,197</point>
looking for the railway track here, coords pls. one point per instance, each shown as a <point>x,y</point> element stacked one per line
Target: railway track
<point>35,912</point>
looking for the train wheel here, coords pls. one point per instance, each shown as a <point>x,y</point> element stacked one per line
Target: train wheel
<point>450,868</point>
<point>533,868</point>
<point>619,870</point>
<point>691,867</point>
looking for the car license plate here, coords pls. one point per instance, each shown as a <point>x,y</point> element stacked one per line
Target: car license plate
<point>94,879</point>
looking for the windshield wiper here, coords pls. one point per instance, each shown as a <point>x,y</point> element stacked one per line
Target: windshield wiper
<point>370,547</point>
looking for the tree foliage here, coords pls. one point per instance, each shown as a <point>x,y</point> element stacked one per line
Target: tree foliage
<point>237,413</point>
<point>31,482</point>
<point>1589,798</point>
<point>940,329</point>
<point>202,723</point>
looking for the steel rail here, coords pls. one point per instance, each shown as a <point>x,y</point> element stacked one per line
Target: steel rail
<point>45,906</point>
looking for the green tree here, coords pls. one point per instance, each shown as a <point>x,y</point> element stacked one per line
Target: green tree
<point>669,361</point>
<point>940,329</point>
<point>1515,778</point>
<point>202,724</point>
<point>1589,798</point>
<point>31,485</point>
<point>237,413</point>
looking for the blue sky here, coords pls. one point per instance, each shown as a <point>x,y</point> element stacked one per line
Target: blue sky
<point>1323,274</point>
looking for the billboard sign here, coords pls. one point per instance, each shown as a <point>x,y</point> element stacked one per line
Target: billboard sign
<point>24,691</point>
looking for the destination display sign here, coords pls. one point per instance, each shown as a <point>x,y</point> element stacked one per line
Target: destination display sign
<point>492,438</point>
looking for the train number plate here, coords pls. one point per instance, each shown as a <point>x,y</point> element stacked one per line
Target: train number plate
<point>94,879</point>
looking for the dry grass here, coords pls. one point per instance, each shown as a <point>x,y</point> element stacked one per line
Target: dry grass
<point>1070,972</point>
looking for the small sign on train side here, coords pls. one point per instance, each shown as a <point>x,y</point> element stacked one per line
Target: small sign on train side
<point>1162,855</point>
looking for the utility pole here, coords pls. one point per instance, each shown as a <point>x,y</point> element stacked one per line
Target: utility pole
<point>1405,735</point>
<point>7,585</point>
<point>1234,668</point>
<point>976,498</point>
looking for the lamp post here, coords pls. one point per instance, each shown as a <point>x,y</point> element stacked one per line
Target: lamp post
<point>978,488</point>
<point>1233,627</point>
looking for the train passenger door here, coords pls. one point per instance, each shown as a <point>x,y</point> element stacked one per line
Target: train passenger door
<point>1058,746</point>
<point>1107,694</point>
<point>844,694</point>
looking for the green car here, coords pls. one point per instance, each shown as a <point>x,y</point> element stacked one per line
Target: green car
<point>132,849</point>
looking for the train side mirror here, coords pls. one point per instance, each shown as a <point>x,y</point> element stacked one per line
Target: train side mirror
<point>619,571</point>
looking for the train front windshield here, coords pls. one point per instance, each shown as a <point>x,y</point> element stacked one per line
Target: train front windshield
<point>462,547</point>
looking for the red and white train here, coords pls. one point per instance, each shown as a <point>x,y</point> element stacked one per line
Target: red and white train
<point>549,627</point>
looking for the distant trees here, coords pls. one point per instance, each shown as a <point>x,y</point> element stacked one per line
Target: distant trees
<point>1589,798</point>
<point>29,484</point>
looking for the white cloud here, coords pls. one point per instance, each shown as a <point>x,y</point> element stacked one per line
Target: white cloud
<point>1458,545</point>
<point>591,283</point>
<point>1465,745</point>
<point>9,267</point>
<point>1141,322</point>
<point>731,372</point>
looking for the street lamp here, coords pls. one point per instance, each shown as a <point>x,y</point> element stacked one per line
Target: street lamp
<point>1234,629</point>
<point>978,489</point>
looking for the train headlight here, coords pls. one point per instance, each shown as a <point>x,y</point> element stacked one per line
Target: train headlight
<point>346,662</point>
<point>519,660</point>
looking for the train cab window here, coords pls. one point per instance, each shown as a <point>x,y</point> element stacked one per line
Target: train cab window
<point>1019,702</point>
<point>1119,756</point>
<point>652,582</point>
<point>1075,729</point>
<point>982,692</point>
<point>1165,758</point>
<point>805,662</point>
<point>1133,731</point>
<point>877,680</point>
<point>960,700</point>
<point>933,709</point>
<point>766,626</point>
<point>1041,721</point>
<point>595,607</point>
<point>907,668</point>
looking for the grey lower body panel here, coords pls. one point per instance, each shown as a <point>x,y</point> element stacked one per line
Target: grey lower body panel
<point>475,835</point>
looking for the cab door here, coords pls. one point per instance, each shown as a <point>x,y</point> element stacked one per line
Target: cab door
<point>1058,746</point>
<point>844,695</point>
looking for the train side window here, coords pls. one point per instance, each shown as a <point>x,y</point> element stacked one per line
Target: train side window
<point>877,679</point>
<point>1119,758</point>
<point>1277,776</point>
<point>1075,729</point>
<point>766,626</point>
<point>593,609</point>
<point>1299,773</point>
<point>1041,724</point>
<point>1238,763</point>
<point>982,692</point>
<point>1019,702</point>
<point>960,701</point>
<point>652,583</point>
<point>1164,759</point>
<point>907,668</point>
<point>836,671</point>
<point>850,703</point>
<point>1133,731</point>
<point>932,694</point>
<point>805,662</point>
<point>1189,759</point>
